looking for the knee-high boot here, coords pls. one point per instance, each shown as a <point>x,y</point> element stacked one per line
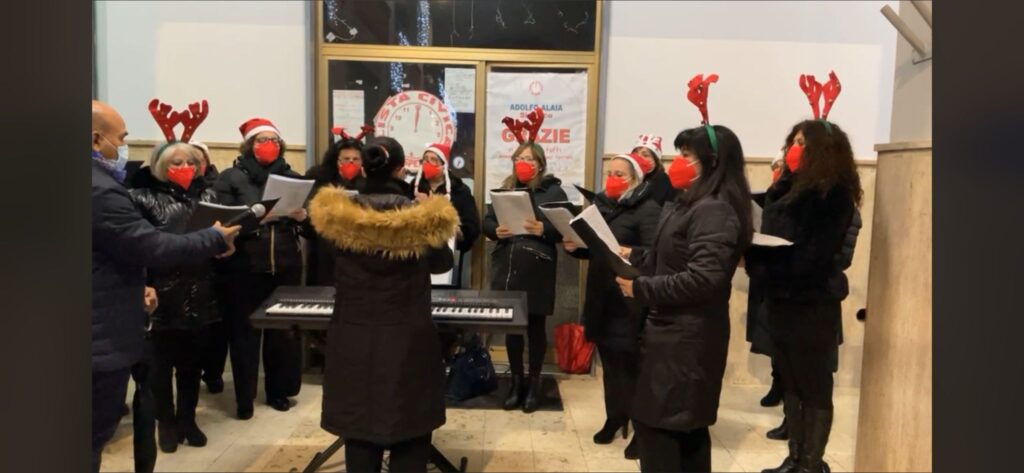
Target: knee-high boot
<point>817,425</point>
<point>794,422</point>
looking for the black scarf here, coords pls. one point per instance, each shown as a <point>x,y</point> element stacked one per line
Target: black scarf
<point>259,173</point>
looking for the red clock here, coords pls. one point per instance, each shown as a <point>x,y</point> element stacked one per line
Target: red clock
<point>416,119</point>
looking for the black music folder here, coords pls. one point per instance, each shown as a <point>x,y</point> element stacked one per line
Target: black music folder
<point>599,249</point>
<point>207,213</point>
<point>589,195</point>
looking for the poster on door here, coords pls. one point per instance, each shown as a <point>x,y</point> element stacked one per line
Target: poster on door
<point>563,135</point>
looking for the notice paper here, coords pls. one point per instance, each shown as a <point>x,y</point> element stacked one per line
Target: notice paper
<point>348,110</point>
<point>560,214</point>
<point>512,208</point>
<point>460,89</point>
<point>292,193</point>
<point>760,239</point>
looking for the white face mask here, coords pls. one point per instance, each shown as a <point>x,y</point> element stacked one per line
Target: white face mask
<point>122,157</point>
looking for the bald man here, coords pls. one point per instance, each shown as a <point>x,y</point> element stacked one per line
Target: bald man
<point>124,244</point>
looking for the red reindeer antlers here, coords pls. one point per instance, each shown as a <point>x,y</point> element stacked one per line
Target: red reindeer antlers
<point>167,118</point>
<point>698,94</point>
<point>813,89</point>
<point>339,133</point>
<point>532,124</point>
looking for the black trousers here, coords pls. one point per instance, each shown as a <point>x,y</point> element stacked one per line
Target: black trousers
<point>805,340</point>
<point>536,331</point>
<point>109,389</point>
<point>620,372</point>
<point>176,357</point>
<point>241,295</point>
<point>144,415</point>
<point>406,457</point>
<point>665,450</point>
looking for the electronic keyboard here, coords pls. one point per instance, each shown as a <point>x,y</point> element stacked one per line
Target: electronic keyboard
<point>311,308</point>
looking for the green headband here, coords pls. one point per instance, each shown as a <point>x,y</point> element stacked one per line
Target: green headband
<point>712,138</point>
<point>828,126</point>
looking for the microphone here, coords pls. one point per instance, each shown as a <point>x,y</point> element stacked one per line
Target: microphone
<point>257,210</point>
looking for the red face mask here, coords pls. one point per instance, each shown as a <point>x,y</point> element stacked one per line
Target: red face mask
<point>182,176</point>
<point>793,155</point>
<point>431,170</point>
<point>349,170</point>
<point>266,153</point>
<point>615,186</point>
<point>681,173</point>
<point>202,169</point>
<point>525,171</point>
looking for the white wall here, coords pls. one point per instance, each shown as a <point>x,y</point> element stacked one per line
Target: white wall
<point>246,58</point>
<point>912,97</point>
<point>759,49</point>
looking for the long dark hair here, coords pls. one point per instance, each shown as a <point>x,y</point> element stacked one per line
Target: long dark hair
<point>722,174</point>
<point>329,162</point>
<point>827,161</point>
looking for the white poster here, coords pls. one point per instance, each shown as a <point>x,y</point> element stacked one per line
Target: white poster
<point>563,135</point>
<point>460,89</point>
<point>348,110</point>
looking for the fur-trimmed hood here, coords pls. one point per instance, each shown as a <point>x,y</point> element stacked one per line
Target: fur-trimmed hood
<point>355,224</point>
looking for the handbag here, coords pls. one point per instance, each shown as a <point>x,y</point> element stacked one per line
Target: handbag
<point>472,372</point>
<point>572,349</point>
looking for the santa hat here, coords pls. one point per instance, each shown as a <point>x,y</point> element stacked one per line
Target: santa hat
<point>651,142</point>
<point>255,126</point>
<point>442,151</point>
<point>634,161</point>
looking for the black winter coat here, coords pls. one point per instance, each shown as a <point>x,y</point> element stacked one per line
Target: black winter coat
<point>273,247</point>
<point>527,262</point>
<point>211,175</point>
<point>384,380</point>
<point>661,189</point>
<point>322,252</point>
<point>463,201</point>
<point>123,245</point>
<point>686,335</point>
<point>184,292</point>
<point>609,318</point>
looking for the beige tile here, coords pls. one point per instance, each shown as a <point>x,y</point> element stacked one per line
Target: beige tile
<point>723,461</point>
<point>474,457</point>
<point>508,461</point>
<point>292,456</point>
<point>508,440</point>
<point>555,442</point>
<point>756,461</point>
<point>840,461</point>
<point>464,419</point>
<point>552,422</point>
<point>559,461</point>
<point>740,436</point>
<point>461,439</point>
<point>506,420</point>
<point>618,464</point>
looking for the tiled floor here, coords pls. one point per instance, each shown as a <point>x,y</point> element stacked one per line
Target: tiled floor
<point>490,440</point>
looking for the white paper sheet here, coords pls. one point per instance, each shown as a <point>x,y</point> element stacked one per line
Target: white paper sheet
<point>593,218</point>
<point>348,110</point>
<point>512,209</point>
<point>560,218</point>
<point>446,278</point>
<point>292,192</point>
<point>756,213</point>
<point>760,239</point>
<point>460,89</point>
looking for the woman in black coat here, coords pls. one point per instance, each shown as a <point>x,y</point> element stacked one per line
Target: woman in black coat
<point>341,166</point>
<point>527,263</point>
<point>384,381</point>
<point>435,177</point>
<point>611,321</point>
<point>267,257</point>
<point>648,147</point>
<point>167,192</point>
<point>687,280</point>
<point>812,205</point>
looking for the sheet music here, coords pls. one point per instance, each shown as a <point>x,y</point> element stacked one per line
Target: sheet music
<point>292,193</point>
<point>513,208</point>
<point>560,218</point>
<point>592,216</point>
<point>760,239</point>
<point>446,279</point>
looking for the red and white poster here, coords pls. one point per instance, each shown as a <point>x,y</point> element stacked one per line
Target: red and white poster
<point>563,135</point>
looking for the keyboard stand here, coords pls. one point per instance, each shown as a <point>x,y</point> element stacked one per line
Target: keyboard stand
<point>436,458</point>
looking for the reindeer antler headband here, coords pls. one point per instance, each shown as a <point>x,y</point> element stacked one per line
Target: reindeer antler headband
<point>167,118</point>
<point>339,133</point>
<point>814,90</point>
<point>532,124</point>
<point>698,95</point>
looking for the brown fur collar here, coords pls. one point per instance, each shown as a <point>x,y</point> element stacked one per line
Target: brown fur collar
<point>399,233</point>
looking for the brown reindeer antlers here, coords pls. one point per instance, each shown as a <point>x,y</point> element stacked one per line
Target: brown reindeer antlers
<point>166,118</point>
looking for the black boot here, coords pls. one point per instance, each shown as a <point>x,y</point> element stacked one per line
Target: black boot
<point>607,433</point>
<point>516,391</point>
<point>534,395</point>
<point>775,393</point>
<point>817,426</point>
<point>189,432</point>
<point>632,450</point>
<point>779,433</point>
<point>167,436</point>
<point>793,422</point>
<point>214,385</point>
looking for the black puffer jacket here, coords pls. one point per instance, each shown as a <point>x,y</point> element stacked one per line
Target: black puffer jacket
<point>384,380</point>
<point>528,262</point>
<point>273,247</point>
<point>609,318</point>
<point>322,253</point>
<point>211,175</point>
<point>185,296</point>
<point>685,340</point>
<point>661,187</point>
<point>463,201</point>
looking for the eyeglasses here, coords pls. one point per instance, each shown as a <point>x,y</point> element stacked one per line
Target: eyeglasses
<point>527,159</point>
<point>266,139</point>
